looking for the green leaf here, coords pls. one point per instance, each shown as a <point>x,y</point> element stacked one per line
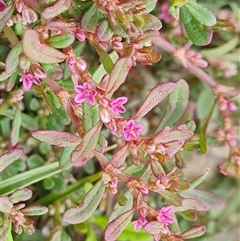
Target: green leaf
<point>58,138</point>
<point>155,96</point>
<point>16,127</point>
<point>201,14</point>
<point>205,96</point>
<point>90,116</point>
<point>171,197</point>
<point>12,59</point>
<point>35,161</point>
<point>40,52</point>
<point>106,60</point>
<point>198,33</point>
<point>88,205</point>
<point>100,72</point>
<point>64,161</point>
<point>29,177</point>
<point>90,234</point>
<point>177,103</point>
<point>61,40</point>
<point>90,18</point>
<point>55,10</point>
<point>196,182</point>
<point>203,131</point>
<point>9,157</point>
<point>116,226</point>
<point>56,196</point>
<point>189,215</point>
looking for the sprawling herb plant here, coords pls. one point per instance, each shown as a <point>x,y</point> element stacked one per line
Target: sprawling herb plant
<point>103,104</point>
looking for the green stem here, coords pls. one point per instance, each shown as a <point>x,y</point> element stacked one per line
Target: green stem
<point>10,35</point>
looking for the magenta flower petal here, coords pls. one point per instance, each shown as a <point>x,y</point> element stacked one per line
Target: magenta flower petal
<point>28,80</point>
<point>85,92</point>
<point>117,105</point>
<point>165,215</point>
<point>131,130</point>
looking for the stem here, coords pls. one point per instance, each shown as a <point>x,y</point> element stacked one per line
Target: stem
<point>34,4</point>
<point>163,44</point>
<point>10,35</point>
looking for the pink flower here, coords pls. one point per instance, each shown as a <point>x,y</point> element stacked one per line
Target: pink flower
<point>28,80</point>
<point>131,130</point>
<point>165,215</point>
<point>85,92</point>
<point>117,105</point>
<point>139,223</point>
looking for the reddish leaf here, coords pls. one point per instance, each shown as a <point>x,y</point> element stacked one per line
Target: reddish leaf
<point>55,10</point>
<point>194,232</point>
<point>104,32</point>
<point>120,156</point>
<point>154,98</point>
<point>84,151</point>
<point>119,74</point>
<point>167,135</point>
<point>21,195</point>
<point>87,206</point>
<point>9,157</point>
<point>190,203</point>
<point>57,138</point>
<point>153,227</point>
<point>116,226</point>
<point>40,52</point>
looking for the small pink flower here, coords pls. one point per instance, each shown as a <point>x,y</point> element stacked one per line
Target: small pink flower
<point>29,16</point>
<point>139,223</point>
<point>85,92</point>
<point>131,130</point>
<point>165,215</point>
<point>28,80</point>
<point>117,105</point>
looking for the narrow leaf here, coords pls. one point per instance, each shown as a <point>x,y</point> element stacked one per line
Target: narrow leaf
<point>171,197</point>
<point>84,151</point>
<point>201,14</point>
<point>13,59</point>
<point>5,15</point>
<point>58,138</point>
<point>16,127</point>
<point>21,195</point>
<point>191,203</point>
<point>106,60</point>
<point>193,232</point>
<point>9,157</point>
<point>40,52</point>
<point>29,177</point>
<point>196,182</point>
<point>118,74</point>
<point>35,210</point>
<point>199,34</point>
<point>190,214</point>
<point>90,18</point>
<point>120,156</point>
<point>115,227</point>
<point>55,10</point>
<point>157,169</point>
<point>87,207</point>
<point>154,98</point>
<point>177,103</point>
<point>64,161</point>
